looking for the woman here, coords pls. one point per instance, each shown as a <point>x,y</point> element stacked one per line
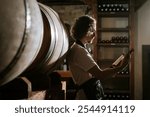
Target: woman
<point>81,64</point>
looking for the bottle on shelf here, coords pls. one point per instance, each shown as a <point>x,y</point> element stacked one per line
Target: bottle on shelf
<point>113,39</point>
<point>122,9</point>
<point>102,10</point>
<point>111,7</point>
<point>120,58</point>
<point>127,9</point>
<point>65,66</point>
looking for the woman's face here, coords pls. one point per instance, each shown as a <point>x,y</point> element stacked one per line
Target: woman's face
<point>91,33</point>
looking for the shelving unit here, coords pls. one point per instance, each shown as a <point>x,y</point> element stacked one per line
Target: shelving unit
<point>114,37</point>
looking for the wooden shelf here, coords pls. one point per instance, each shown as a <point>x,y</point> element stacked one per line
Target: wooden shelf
<point>113,29</point>
<point>116,91</point>
<point>114,24</point>
<point>62,2</point>
<point>113,14</point>
<point>113,44</point>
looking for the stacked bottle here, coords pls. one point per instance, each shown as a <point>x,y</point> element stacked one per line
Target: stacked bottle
<point>64,66</point>
<point>116,39</point>
<point>116,96</point>
<point>108,7</point>
<point>120,39</point>
<point>124,72</point>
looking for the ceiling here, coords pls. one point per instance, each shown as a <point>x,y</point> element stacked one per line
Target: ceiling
<point>62,2</point>
<point>137,3</point>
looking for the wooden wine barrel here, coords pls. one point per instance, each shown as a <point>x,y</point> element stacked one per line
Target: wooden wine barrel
<point>29,41</point>
<point>21,33</point>
<point>55,42</point>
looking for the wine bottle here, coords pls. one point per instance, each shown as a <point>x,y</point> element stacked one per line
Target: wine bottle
<point>120,58</point>
<point>113,39</point>
<point>99,7</point>
<point>127,9</point>
<point>102,10</point>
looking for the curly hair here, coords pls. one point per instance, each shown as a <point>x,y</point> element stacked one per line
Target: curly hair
<point>81,26</point>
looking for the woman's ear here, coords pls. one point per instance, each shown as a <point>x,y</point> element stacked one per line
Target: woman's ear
<point>91,34</point>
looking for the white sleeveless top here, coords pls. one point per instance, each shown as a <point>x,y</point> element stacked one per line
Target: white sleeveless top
<point>80,61</point>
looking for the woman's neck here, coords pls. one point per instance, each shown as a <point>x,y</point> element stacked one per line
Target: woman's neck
<point>81,43</point>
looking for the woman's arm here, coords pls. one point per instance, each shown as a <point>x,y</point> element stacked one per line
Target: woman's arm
<point>97,72</point>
